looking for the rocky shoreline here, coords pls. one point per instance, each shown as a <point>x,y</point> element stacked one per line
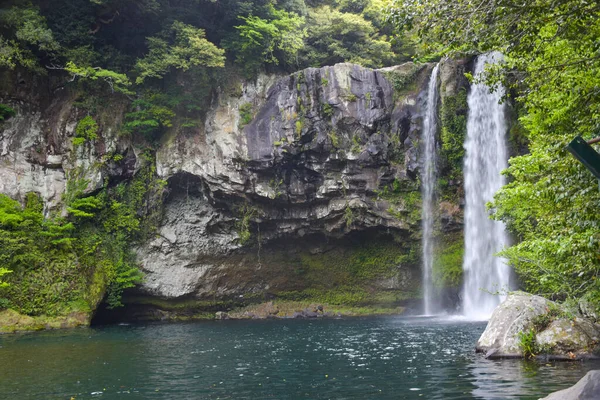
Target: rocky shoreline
<point>13,322</point>
<point>294,310</point>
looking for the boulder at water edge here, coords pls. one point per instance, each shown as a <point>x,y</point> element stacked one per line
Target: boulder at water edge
<point>588,388</point>
<point>516,314</point>
<point>551,331</point>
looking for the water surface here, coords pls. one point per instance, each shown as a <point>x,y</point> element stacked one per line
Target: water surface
<point>383,358</point>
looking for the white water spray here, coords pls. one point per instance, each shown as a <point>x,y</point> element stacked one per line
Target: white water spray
<point>429,177</point>
<point>486,155</point>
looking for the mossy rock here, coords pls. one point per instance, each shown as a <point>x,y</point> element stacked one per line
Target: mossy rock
<point>448,260</point>
<point>11,321</point>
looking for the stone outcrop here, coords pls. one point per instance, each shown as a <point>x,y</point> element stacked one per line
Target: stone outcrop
<point>544,327</point>
<point>321,145</point>
<point>36,146</point>
<point>588,388</point>
<point>513,316</point>
<point>287,175</point>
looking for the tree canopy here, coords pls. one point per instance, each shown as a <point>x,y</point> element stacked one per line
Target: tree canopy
<point>152,38</point>
<point>336,36</point>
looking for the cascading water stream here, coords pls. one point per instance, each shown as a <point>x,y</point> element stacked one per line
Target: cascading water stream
<point>484,273</point>
<point>429,177</point>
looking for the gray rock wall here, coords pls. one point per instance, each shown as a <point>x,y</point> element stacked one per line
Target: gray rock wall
<point>326,152</point>
<point>319,145</point>
<point>36,146</point>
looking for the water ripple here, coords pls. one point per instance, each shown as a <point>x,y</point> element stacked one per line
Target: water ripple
<point>387,358</point>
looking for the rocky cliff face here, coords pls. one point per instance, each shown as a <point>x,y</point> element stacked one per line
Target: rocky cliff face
<point>304,182</point>
<point>36,148</point>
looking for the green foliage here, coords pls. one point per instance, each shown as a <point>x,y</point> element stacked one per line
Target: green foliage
<point>86,130</point>
<point>28,35</point>
<point>402,81</point>
<point>3,271</point>
<point>6,112</point>
<point>85,37</point>
<point>84,207</point>
<point>327,110</point>
<point>345,295</point>
<point>182,47</point>
<point>404,199</point>
<point>550,202</point>
<point>271,40</point>
<point>527,339</point>
<point>553,312</point>
<point>453,132</point>
<point>335,36</point>
<point>349,216</point>
<point>527,343</point>
<point>120,216</point>
<point>345,274</point>
<point>298,127</point>
<point>276,186</point>
<point>246,214</point>
<point>150,117</point>
<point>356,145</point>
<point>246,114</point>
<point>57,264</point>
<point>37,253</point>
<point>447,261</point>
<point>117,82</point>
<point>335,139</point>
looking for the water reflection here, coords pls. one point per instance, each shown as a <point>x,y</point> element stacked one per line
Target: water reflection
<point>501,379</point>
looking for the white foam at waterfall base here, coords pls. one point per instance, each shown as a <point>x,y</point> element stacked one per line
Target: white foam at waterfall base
<point>486,276</point>
<point>429,177</point>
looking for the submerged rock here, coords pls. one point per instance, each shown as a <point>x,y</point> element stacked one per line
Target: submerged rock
<point>529,325</point>
<point>588,388</point>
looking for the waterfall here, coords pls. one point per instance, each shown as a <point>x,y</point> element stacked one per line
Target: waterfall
<point>486,155</point>
<point>429,177</point>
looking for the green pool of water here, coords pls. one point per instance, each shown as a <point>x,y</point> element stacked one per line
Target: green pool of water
<point>379,358</point>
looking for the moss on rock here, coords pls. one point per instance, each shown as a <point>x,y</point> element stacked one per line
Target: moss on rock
<point>11,321</point>
<point>447,262</point>
<point>453,115</point>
